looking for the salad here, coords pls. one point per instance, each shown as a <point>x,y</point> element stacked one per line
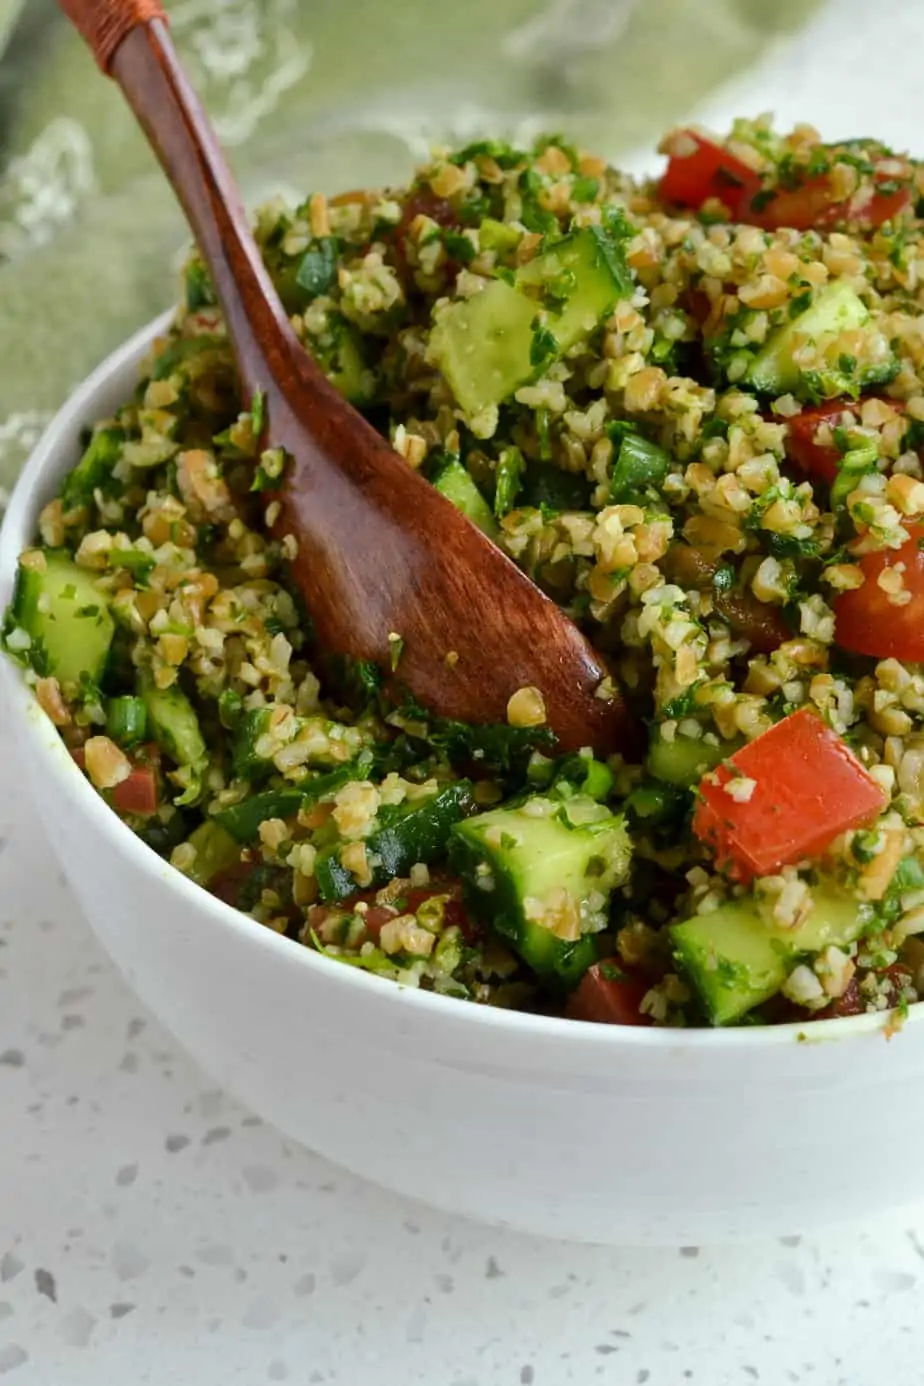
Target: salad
<point>694,415</point>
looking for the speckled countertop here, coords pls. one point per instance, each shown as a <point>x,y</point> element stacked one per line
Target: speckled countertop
<point>152,1231</point>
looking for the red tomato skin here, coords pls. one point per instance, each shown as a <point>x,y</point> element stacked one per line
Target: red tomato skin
<point>609,1000</point>
<point>820,462</point>
<point>709,171</point>
<point>228,884</point>
<point>811,207</point>
<point>138,794</point>
<point>376,915</point>
<point>809,788</point>
<point>866,622</point>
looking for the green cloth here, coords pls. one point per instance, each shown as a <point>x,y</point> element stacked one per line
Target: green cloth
<point>305,94</point>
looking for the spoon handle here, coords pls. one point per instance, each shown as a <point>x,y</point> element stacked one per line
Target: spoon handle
<point>131,42</point>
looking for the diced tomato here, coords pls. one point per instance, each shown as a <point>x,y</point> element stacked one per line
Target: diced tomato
<point>808,788</point>
<point>137,794</point>
<point>712,171</point>
<point>811,206</point>
<point>819,460</point>
<point>227,885</point>
<point>867,622</point>
<point>822,460</point>
<point>709,170</point>
<point>376,915</point>
<point>609,995</point>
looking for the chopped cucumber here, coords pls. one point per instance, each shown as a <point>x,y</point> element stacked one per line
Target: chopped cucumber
<point>408,833</point>
<point>127,720</point>
<point>243,820</point>
<point>455,483</point>
<point>216,851</point>
<point>836,308</point>
<point>656,805</point>
<point>65,616</point>
<point>199,291</point>
<point>488,345</point>
<point>736,961</point>
<point>94,470</point>
<point>542,874</point>
<point>175,727</point>
<point>579,773</point>
<point>498,235</point>
<point>686,759</point>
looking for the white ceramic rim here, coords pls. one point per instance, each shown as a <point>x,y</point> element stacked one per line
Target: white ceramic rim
<point>33,726</point>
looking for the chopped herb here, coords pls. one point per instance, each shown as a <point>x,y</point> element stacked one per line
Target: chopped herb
<point>544,348</point>
<point>503,154</point>
<point>639,469</point>
<point>510,470</point>
<point>585,189</point>
<point>199,291</point>
<point>141,565</point>
<point>458,247</point>
<point>317,272</point>
<point>230,708</point>
<point>856,463</point>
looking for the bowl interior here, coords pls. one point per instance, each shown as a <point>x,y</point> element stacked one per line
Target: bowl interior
<point>58,450</point>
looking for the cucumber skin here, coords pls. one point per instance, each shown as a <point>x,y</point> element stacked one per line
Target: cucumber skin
<point>547,853</point>
<point>684,761</point>
<point>484,345</point>
<point>558,963</point>
<point>730,986</point>
<point>454,482</point>
<point>837,308</point>
<point>94,468</point>
<point>174,724</point>
<point>67,645</point>
<point>216,851</point>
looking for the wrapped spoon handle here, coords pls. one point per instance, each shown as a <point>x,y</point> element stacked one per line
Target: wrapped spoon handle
<point>105,23</point>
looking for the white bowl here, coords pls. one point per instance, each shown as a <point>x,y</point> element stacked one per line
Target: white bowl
<point>593,1133</point>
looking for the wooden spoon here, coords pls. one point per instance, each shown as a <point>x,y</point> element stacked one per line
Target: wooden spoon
<point>381,554</point>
